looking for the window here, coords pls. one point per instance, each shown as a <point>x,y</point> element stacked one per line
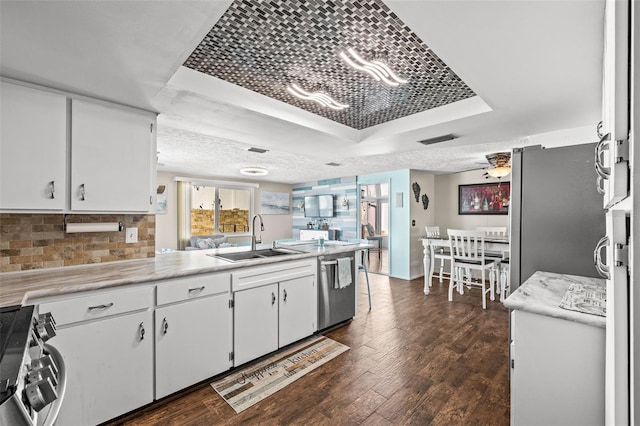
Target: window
<point>213,207</point>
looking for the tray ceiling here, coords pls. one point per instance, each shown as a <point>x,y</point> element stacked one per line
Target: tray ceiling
<point>267,46</point>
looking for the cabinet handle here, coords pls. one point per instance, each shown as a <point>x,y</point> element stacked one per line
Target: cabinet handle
<point>602,268</point>
<point>601,146</point>
<point>284,292</point>
<point>599,129</point>
<point>165,326</point>
<point>273,298</point>
<point>52,189</point>
<point>141,331</point>
<point>100,307</point>
<point>82,192</point>
<point>195,290</point>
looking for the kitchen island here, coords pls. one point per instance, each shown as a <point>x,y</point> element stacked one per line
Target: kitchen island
<point>557,355</point>
<point>175,320</point>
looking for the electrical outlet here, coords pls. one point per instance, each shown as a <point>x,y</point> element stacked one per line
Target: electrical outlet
<point>132,235</point>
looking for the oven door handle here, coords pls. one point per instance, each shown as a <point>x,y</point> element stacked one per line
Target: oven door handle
<point>54,410</point>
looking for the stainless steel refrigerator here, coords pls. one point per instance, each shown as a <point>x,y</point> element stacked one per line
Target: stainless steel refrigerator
<point>556,214</point>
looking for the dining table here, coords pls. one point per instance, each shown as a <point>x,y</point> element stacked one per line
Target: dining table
<point>495,246</point>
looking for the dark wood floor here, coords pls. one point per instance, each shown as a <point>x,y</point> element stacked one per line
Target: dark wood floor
<point>414,359</point>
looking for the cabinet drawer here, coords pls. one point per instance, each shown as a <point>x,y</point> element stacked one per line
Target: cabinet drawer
<point>180,289</point>
<point>99,304</point>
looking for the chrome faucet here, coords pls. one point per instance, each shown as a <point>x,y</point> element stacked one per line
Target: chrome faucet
<point>254,240</point>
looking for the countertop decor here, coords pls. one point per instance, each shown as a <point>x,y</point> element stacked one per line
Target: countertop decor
<point>543,293</point>
<point>20,287</point>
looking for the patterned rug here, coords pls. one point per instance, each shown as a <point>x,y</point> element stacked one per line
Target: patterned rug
<point>252,384</point>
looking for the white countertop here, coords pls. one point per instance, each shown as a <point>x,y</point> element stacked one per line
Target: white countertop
<point>543,292</point>
<point>19,287</point>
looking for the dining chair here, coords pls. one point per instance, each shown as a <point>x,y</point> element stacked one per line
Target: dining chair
<point>372,237</point>
<point>502,283</point>
<point>437,253</point>
<point>468,253</point>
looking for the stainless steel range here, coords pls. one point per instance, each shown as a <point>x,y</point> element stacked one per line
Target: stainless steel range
<point>32,372</point>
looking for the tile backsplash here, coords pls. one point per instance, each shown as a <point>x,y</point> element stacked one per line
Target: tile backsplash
<point>38,241</point>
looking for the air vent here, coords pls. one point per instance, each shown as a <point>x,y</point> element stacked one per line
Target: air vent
<point>437,139</point>
<point>258,150</point>
<point>333,164</point>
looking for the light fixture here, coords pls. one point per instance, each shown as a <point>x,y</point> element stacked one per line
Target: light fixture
<point>377,69</point>
<point>254,171</point>
<point>319,97</point>
<point>501,164</point>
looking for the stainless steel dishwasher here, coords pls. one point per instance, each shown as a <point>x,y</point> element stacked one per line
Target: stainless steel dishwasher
<point>335,305</point>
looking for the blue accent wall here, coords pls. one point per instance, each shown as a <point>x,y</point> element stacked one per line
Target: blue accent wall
<point>344,219</point>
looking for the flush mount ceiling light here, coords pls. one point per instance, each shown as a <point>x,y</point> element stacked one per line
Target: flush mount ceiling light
<point>254,171</point>
<point>319,97</point>
<point>501,162</point>
<point>375,68</point>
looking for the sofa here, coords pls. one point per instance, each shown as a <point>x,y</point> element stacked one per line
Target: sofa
<point>200,242</point>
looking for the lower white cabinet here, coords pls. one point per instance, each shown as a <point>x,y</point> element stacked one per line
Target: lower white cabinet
<point>193,336</point>
<point>255,328</point>
<point>274,306</point>
<point>297,309</point>
<point>557,371</point>
<point>108,359</point>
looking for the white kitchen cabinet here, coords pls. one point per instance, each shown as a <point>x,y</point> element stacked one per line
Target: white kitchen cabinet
<point>557,371</point>
<point>274,305</point>
<point>255,326</point>
<point>298,309</point>
<point>33,154</point>
<point>111,158</point>
<point>193,331</point>
<point>109,358</point>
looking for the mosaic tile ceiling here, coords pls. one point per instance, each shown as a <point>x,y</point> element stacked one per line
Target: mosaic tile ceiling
<point>265,46</point>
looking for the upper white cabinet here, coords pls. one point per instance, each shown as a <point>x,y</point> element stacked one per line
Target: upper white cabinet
<point>32,149</point>
<point>612,152</point>
<point>111,152</point>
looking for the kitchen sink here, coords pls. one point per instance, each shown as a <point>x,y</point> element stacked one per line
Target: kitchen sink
<point>254,254</point>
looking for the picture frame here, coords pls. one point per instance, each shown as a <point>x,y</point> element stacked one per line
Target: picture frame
<point>274,203</point>
<point>484,198</point>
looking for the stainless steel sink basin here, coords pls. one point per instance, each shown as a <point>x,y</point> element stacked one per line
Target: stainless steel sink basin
<point>254,254</point>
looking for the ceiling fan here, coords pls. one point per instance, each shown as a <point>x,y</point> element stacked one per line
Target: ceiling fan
<point>500,165</point>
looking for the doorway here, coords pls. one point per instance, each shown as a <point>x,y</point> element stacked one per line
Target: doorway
<point>374,221</point>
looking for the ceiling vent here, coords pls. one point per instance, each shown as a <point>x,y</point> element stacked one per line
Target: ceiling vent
<point>437,139</point>
<point>258,150</point>
<point>333,164</point>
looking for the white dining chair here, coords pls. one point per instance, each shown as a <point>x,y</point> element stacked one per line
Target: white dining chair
<point>502,283</point>
<point>438,253</point>
<point>468,253</point>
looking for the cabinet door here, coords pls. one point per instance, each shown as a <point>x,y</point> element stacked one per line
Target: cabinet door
<point>110,158</point>
<point>109,368</point>
<point>298,309</point>
<point>193,342</point>
<point>33,153</point>
<point>255,326</point>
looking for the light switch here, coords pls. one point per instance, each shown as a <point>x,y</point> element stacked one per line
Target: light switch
<point>131,235</point>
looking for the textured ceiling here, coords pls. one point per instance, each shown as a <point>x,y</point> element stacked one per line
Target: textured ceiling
<point>265,46</point>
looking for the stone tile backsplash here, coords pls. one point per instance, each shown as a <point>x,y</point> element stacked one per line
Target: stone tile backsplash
<point>38,241</point>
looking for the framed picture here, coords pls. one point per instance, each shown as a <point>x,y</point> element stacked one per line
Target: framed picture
<point>274,203</point>
<point>484,198</point>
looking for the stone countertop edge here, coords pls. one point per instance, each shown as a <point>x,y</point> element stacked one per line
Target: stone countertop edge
<point>18,288</point>
<point>543,291</point>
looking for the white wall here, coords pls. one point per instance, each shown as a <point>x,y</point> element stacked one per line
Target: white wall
<point>275,226</point>
<point>446,208</point>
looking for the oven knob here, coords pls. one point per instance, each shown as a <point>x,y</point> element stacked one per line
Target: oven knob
<point>43,362</point>
<point>39,374</point>
<point>46,326</point>
<point>40,394</point>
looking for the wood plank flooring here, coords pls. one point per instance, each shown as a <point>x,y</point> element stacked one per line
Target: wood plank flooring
<point>414,360</point>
